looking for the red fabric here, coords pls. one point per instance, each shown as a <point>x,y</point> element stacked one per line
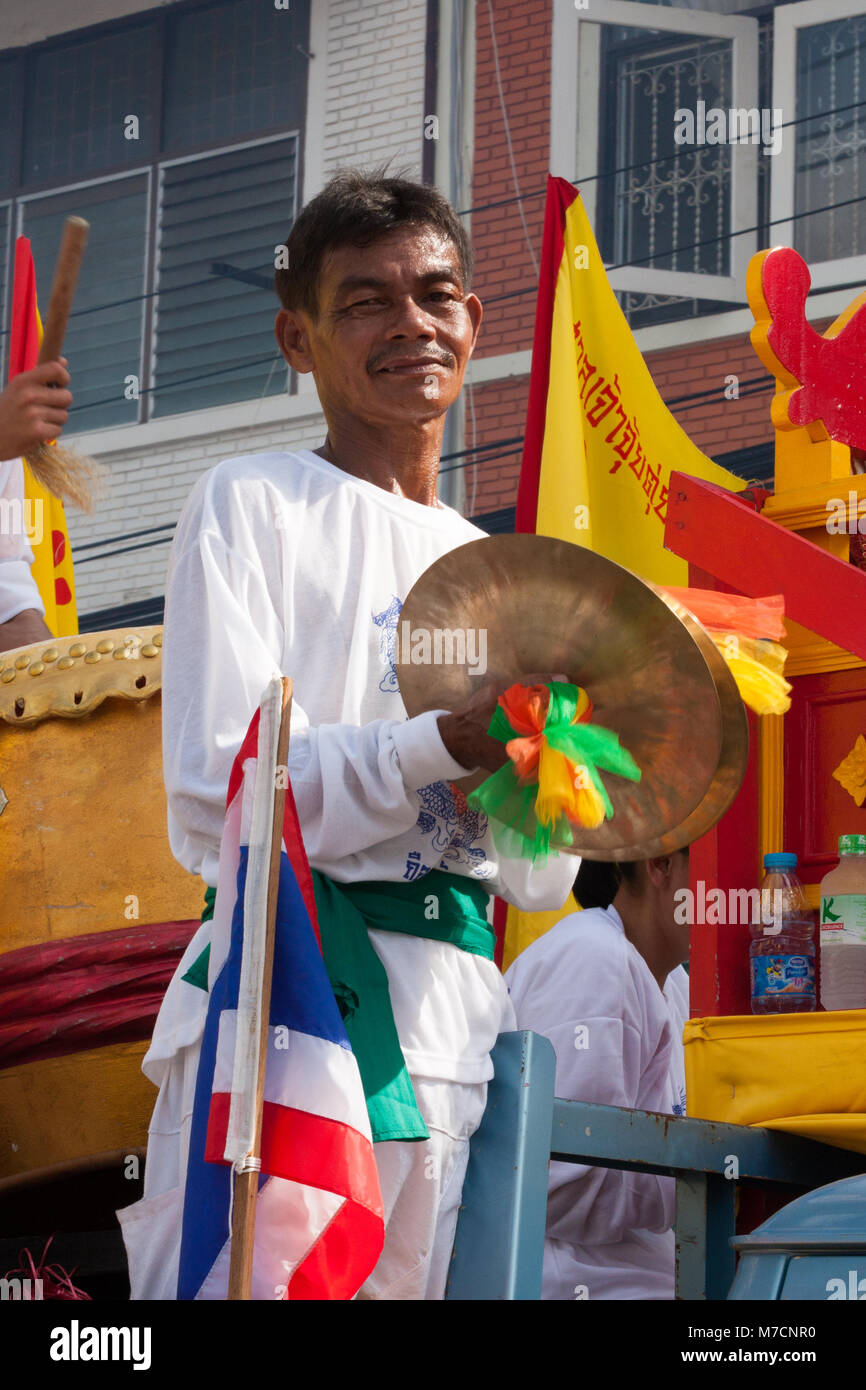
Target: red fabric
<point>86,991</point>
<point>560,195</point>
<point>500,922</point>
<point>24,332</point>
<point>309,1145</point>
<point>291,827</point>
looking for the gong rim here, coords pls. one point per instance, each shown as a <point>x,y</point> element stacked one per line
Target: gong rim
<point>732,760</point>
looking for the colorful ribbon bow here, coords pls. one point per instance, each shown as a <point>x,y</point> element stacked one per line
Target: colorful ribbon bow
<point>551,783</point>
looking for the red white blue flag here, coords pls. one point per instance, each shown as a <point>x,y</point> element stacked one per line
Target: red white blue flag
<point>319,1224</point>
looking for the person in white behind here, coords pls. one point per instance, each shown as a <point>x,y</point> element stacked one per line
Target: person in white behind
<point>607,986</point>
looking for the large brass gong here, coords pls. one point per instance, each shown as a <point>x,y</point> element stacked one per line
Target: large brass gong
<point>654,676</point>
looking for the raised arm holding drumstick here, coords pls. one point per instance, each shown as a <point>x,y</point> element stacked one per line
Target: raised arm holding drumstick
<point>34,408</point>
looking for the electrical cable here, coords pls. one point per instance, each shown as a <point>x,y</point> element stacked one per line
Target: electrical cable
<point>504,202</point>
<point>507,125</point>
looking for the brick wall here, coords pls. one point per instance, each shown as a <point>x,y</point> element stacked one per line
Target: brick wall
<point>499,409</point>
<point>504,264</point>
<point>503,259</point>
<point>717,425</point>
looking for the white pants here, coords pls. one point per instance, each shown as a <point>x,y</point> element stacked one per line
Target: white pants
<point>421,1185</point>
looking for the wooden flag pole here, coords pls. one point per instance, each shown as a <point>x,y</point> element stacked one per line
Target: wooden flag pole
<point>247,1182</point>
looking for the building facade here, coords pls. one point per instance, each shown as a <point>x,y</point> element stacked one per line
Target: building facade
<point>189,132</point>
<point>591,92</point>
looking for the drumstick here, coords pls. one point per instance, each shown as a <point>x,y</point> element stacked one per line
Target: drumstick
<point>65,474</point>
<point>69,260</point>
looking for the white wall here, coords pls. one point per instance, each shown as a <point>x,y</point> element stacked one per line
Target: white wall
<point>365,104</point>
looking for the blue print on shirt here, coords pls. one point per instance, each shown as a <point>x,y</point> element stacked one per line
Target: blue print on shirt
<point>387,621</point>
<point>680,1105</point>
<point>455,828</point>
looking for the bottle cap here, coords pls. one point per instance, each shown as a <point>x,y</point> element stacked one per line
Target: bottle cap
<point>852,844</point>
<point>780,861</point>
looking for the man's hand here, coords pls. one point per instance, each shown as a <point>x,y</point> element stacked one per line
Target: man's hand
<point>23,630</point>
<point>464,732</point>
<point>33,409</point>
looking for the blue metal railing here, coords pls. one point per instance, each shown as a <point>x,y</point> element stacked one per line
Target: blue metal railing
<point>499,1245</point>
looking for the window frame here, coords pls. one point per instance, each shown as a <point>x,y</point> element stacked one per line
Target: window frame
<point>788,20</point>
<point>145,171</point>
<point>575,90</point>
<point>152,318</point>
<point>152,165</point>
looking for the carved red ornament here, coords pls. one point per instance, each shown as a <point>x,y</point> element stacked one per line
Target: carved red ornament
<point>825,373</point>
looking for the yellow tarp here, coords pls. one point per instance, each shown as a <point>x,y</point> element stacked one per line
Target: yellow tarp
<point>801,1073</point>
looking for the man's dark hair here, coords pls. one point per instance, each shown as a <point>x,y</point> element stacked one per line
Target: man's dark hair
<point>355,209</point>
<point>598,881</point>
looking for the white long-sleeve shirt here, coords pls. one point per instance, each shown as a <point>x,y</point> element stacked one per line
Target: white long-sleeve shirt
<point>618,1041</point>
<point>284,563</point>
<point>18,590</point>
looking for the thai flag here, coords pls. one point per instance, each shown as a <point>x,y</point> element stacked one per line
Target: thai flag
<point>319,1224</point>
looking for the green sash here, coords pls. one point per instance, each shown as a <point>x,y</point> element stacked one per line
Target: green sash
<point>439,906</point>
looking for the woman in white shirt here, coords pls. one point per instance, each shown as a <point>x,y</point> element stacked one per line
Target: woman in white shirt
<point>607,986</point>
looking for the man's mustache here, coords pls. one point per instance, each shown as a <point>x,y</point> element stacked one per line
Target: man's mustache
<point>444,358</point>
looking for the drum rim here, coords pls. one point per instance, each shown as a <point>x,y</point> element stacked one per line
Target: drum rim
<point>95,674</point>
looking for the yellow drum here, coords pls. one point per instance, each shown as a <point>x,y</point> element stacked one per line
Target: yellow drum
<point>94,910</point>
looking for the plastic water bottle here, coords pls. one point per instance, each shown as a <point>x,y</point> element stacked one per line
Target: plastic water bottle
<point>843,928</point>
<point>782,949</point>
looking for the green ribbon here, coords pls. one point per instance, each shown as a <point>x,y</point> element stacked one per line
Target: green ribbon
<point>438,906</point>
<point>510,807</point>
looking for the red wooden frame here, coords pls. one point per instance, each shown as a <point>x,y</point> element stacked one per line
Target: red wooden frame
<point>731,547</point>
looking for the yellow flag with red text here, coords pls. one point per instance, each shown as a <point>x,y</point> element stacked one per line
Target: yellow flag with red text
<point>600,442</point>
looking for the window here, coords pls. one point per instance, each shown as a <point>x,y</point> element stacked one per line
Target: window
<point>666,216</point>
<point>820,176</point>
<point>664,207</point>
<point>674,212</point>
<point>177,135</point>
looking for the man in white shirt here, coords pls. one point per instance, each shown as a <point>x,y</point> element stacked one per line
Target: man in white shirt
<point>33,410</point>
<point>299,562</point>
<point>606,985</point>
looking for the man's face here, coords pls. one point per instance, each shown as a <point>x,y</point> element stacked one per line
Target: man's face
<point>394,333</point>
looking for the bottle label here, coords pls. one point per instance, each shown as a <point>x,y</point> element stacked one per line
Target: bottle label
<point>783,975</point>
<point>843,919</point>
